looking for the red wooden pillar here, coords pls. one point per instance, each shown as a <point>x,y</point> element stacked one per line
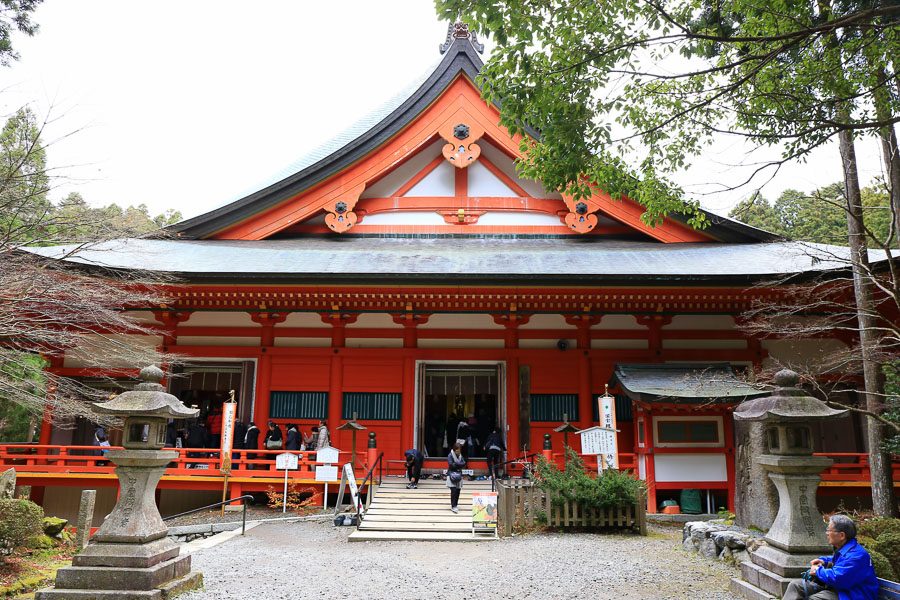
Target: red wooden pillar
<point>408,404</point>
<point>585,401</point>
<point>170,320</point>
<point>335,394</point>
<point>728,430</point>
<point>513,443</point>
<point>649,467</point>
<point>654,324</point>
<point>263,389</point>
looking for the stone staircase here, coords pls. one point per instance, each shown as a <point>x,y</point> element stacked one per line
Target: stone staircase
<point>397,513</point>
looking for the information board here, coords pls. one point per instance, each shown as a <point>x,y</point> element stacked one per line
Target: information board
<point>327,455</point>
<point>351,482</point>
<point>609,442</point>
<point>229,410</point>
<point>326,473</point>
<point>286,462</point>
<point>484,512</point>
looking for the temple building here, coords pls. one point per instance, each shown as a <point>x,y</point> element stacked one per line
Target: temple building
<point>406,275</point>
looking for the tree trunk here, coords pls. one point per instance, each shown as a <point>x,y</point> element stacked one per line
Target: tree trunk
<point>879,463</point>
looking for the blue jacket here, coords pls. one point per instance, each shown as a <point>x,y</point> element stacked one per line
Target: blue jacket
<point>851,575</point>
<point>417,457</point>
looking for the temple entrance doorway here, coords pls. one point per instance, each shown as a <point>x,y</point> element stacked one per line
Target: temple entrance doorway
<point>458,402</point>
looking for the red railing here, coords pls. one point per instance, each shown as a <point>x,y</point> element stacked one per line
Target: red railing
<point>852,467</point>
<point>31,458</point>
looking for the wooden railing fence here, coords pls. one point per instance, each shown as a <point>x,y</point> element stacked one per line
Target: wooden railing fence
<point>523,504</point>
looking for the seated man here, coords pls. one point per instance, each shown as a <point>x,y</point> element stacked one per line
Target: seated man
<point>846,575</point>
<point>414,460</point>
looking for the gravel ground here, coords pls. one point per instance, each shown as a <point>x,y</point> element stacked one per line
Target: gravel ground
<point>314,560</point>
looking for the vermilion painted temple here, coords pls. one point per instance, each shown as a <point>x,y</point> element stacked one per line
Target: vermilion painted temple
<point>406,274</point>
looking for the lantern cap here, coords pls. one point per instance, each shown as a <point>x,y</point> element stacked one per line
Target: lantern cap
<point>148,399</point>
<point>787,403</point>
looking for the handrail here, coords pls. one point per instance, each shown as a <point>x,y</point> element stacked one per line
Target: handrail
<point>243,499</point>
<point>368,478</point>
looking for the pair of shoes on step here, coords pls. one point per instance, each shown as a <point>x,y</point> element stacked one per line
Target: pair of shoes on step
<point>454,509</point>
<point>412,486</point>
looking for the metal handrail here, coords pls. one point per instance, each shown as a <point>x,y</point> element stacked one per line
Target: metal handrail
<point>369,478</point>
<point>243,499</point>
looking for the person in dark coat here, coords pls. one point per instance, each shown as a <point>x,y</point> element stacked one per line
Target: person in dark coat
<point>251,440</point>
<point>293,438</point>
<point>197,437</point>
<point>171,434</point>
<point>274,438</point>
<point>494,448</point>
<point>414,461</point>
<point>456,462</point>
<point>240,432</point>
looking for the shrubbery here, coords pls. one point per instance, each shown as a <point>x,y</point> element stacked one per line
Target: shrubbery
<point>873,528</point>
<point>612,488</point>
<point>882,565</point>
<point>20,522</point>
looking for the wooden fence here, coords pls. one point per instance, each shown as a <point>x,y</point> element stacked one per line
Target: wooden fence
<point>523,504</point>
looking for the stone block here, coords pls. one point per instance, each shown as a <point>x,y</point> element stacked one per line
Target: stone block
<point>688,545</point>
<point>187,583</point>
<point>8,484</point>
<point>708,548</point>
<point>85,518</point>
<point>127,555</point>
<point>742,589</point>
<point>120,578</point>
<point>64,594</point>
<point>749,573</point>
<point>780,562</point>
<point>53,526</point>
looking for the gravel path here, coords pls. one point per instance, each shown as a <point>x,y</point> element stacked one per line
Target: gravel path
<point>314,560</point>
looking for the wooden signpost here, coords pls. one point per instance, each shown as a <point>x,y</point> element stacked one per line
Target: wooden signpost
<point>326,470</point>
<point>286,462</point>
<point>229,411</point>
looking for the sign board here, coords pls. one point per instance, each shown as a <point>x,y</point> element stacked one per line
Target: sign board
<point>484,512</point>
<point>351,481</point>
<point>609,442</point>
<point>229,410</point>
<point>326,473</point>
<point>286,462</point>
<point>327,456</point>
<point>602,442</point>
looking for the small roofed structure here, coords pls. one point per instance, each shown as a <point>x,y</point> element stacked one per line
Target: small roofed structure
<point>716,382</point>
<point>684,434</point>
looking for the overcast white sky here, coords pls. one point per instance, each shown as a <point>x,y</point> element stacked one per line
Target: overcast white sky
<point>188,105</point>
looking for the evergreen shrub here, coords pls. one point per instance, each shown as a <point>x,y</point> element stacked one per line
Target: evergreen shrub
<point>873,528</point>
<point>888,544</point>
<point>20,522</point>
<point>882,566</point>
<point>573,484</point>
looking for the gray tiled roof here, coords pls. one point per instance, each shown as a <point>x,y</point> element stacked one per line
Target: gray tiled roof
<point>699,383</point>
<point>571,259</point>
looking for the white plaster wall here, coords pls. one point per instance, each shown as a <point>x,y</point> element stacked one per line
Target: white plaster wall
<point>610,344</point>
<point>212,340</point>
<point>401,217</point>
<point>386,187</point>
<point>704,344</point>
<point>618,322</point>
<point>220,319</point>
<point>797,353</point>
<point>373,342</point>
<point>440,182</point>
<point>547,321</point>
<point>484,183</point>
<point>460,321</point>
<point>375,320</point>
<point>88,354</point>
<point>690,467</point>
<point>505,164</point>
<point>706,322</point>
<point>451,343</point>
<point>498,217</point>
<point>298,342</point>
<point>303,319</point>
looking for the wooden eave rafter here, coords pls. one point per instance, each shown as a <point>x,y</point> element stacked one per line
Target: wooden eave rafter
<point>340,194</point>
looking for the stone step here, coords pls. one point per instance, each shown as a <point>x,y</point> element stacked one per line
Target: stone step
<point>123,578</point>
<point>741,588</point>
<point>449,517</point>
<point>416,536</point>
<point>66,594</point>
<point>764,579</point>
<point>398,526</point>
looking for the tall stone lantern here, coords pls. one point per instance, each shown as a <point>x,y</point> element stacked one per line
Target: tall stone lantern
<point>798,532</point>
<point>130,555</point>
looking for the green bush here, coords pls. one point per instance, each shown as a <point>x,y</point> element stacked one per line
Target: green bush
<point>882,566</point>
<point>20,522</point>
<point>865,541</point>
<point>873,528</point>
<point>888,543</point>
<point>612,488</point>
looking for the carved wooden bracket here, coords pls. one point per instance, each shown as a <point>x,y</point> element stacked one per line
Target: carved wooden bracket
<point>340,216</point>
<point>268,318</point>
<point>338,319</point>
<point>409,319</point>
<point>511,320</point>
<point>581,217</point>
<point>170,320</point>
<point>461,132</point>
<point>461,216</point>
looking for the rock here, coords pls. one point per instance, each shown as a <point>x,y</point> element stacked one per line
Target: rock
<point>53,526</point>
<point>688,545</point>
<point>708,548</point>
<point>42,542</point>
<point>8,484</point>
<point>730,539</point>
<point>740,556</point>
<point>725,554</point>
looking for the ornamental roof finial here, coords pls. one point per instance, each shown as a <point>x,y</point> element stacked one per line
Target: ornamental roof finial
<point>460,31</point>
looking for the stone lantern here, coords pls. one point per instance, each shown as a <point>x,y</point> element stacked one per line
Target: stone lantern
<point>798,532</point>
<point>130,555</point>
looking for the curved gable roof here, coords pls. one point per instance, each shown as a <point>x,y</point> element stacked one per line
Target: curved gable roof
<point>372,132</point>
